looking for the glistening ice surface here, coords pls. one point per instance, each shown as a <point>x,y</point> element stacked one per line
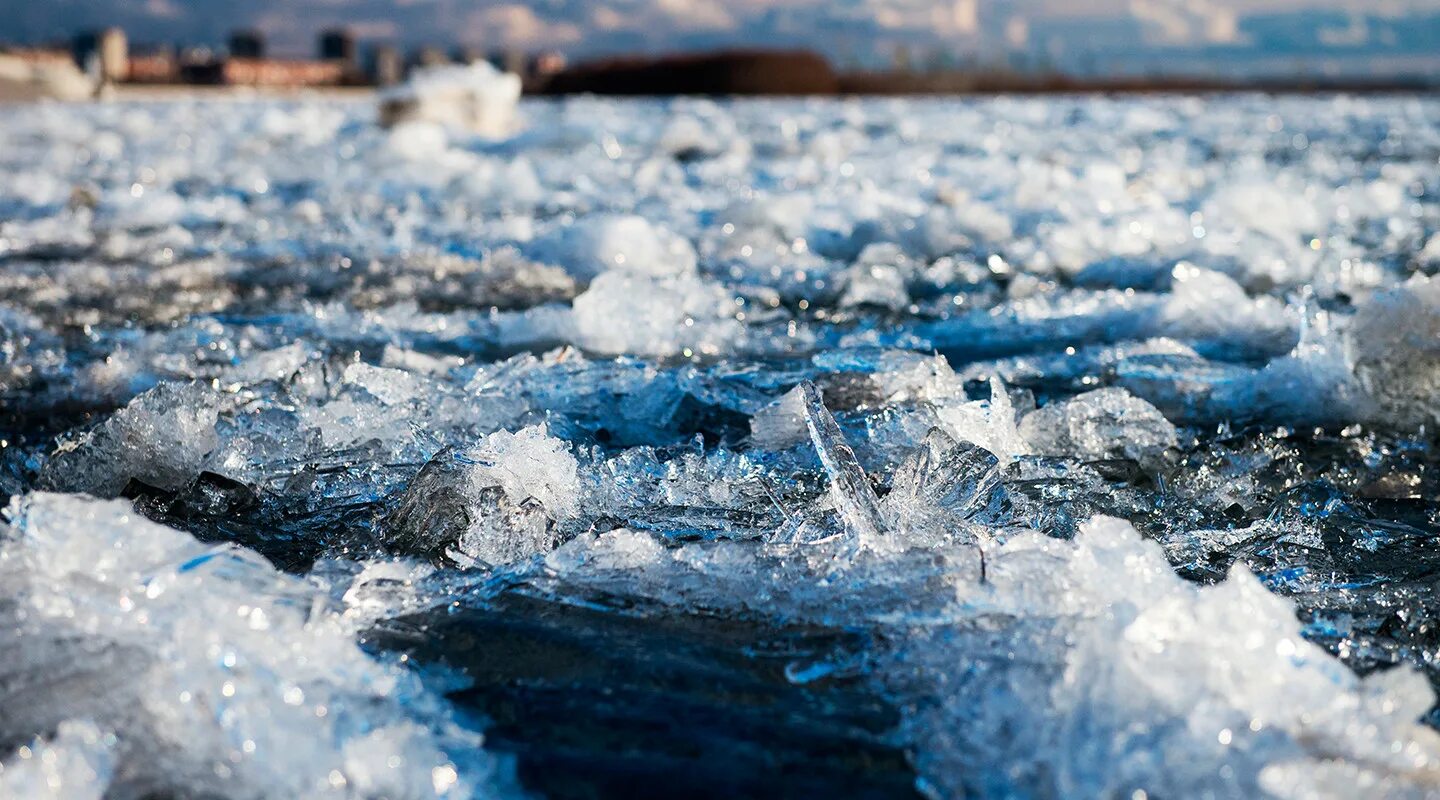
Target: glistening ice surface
<point>1005,448</point>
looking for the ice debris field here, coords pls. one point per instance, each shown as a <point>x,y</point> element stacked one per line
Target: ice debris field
<point>996,448</point>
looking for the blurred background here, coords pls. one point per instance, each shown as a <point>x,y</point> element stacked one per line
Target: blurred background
<point>887,46</point>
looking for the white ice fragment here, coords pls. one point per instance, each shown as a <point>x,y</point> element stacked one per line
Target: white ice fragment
<point>1430,253</point>
<point>388,385</point>
<point>413,361</point>
<point>1106,423</point>
<point>75,765</point>
<point>518,486</point>
<point>623,313</point>
<point>880,285</point>
<point>990,424</point>
<point>686,136</point>
<point>599,244</point>
<point>1315,383</point>
<point>1160,684</point>
<point>401,762</point>
<point>476,97</point>
<point>418,140</point>
<point>528,465</point>
<point>197,655</point>
<point>277,364</point>
<point>1208,305</point>
<point>621,549</point>
<point>1394,344</point>
<point>161,439</point>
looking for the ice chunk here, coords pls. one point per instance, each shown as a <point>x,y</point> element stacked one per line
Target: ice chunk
<point>620,549</point>
<point>622,313</point>
<point>876,281</point>
<point>475,97</point>
<point>595,245</point>
<point>781,423</point>
<point>990,425</point>
<point>75,765</point>
<point>161,439</point>
<point>1430,253</point>
<point>528,465</point>
<point>1394,343</point>
<point>1206,305</point>
<point>850,489</point>
<point>218,675</point>
<point>495,503</point>
<point>1107,423</point>
<point>939,488</point>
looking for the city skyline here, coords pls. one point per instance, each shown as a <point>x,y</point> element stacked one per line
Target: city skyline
<point>1106,36</point>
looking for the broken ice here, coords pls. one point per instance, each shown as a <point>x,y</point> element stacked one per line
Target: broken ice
<point>998,448</point>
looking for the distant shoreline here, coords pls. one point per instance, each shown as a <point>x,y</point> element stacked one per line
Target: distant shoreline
<point>13,94</point>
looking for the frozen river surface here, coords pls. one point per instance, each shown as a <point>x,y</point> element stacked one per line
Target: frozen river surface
<point>1049,448</point>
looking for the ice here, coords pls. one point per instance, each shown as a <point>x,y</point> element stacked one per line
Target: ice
<point>989,424</point>
<point>75,765</point>
<point>595,245</point>
<point>1395,345</point>
<point>1106,423</point>
<point>996,447</point>
<point>539,480</point>
<point>476,97</point>
<point>215,673</point>
<point>661,316</point>
<point>1117,646</point>
<point>160,439</point>
<point>849,488</point>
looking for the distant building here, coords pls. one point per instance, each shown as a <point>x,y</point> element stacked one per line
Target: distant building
<point>278,72</point>
<point>154,65</point>
<point>197,65</point>
<point>432,56</point>
<point>338,44</point>
<point>105,52</point>
<point>546,64</point>
<point>42,72</point>
<point>469,54</point>
<point>247,44</point>
<point>38,56</point>
<point>387,66</point>
<point>511,60</point>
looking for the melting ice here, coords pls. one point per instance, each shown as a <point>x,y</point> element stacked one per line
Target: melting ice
<point>1002,448</point>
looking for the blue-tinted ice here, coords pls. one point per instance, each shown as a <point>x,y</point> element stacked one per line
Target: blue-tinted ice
<point>1000,448</point>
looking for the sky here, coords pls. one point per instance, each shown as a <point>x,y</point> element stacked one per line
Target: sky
<point>1213,36</point>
